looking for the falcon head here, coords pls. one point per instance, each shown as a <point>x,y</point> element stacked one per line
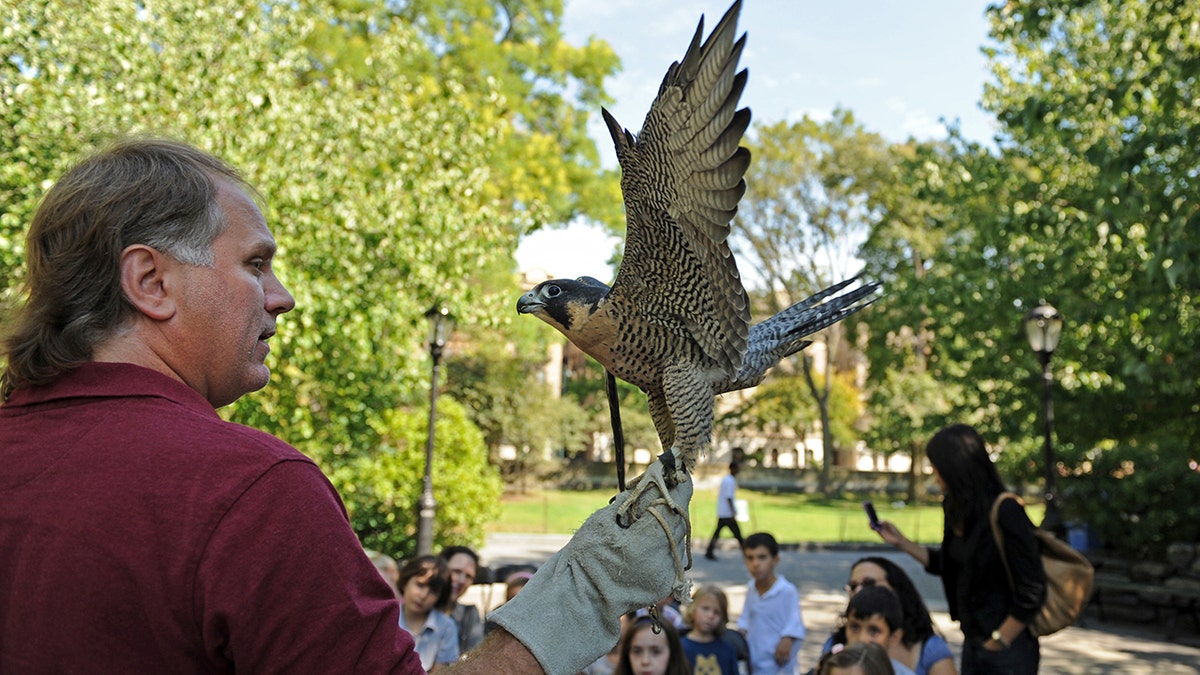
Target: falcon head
<point>565,304</point>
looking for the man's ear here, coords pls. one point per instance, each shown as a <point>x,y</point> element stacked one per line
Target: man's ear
<point>895,638</point>
<point>144,272</point>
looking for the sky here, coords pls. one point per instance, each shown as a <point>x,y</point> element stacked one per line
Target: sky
<point>901,66</point>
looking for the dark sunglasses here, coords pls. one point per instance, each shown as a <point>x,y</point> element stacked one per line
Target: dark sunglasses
<point>855,585</point>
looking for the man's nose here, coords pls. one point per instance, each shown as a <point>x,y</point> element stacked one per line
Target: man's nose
<point>279,300</point>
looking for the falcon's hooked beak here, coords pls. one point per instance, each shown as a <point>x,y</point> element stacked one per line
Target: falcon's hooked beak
<point>529,303</point>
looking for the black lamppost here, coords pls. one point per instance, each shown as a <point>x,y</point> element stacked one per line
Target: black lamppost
<point>1043,327</point>
<point>441,322</point>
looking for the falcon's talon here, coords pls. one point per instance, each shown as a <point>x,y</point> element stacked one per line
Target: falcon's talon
<point>655,477</point>
<point>667,459</point>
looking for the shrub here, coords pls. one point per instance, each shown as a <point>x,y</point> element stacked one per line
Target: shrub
<point>1138,496</point>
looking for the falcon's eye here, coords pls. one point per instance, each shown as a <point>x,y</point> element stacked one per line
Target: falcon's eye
<point>553,291</point>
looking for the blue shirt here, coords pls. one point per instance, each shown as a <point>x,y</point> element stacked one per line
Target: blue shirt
<point>438,640</point>
<point>710,658</point>
<point>935,649</point>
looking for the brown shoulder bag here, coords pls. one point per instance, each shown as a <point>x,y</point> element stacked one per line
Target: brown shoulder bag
<point>1069,576</point>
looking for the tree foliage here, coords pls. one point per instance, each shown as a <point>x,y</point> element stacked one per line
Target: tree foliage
<point>586,386</point>
<point>1100,102</point>
<point>1098,98</point>
<point>508,401</point>
<point>382,487</point>
<point>785,402</point>
<point>546,168</point>
<point>805,213</point>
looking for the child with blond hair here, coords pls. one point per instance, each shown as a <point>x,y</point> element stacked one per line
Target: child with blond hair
<point>707,653</point>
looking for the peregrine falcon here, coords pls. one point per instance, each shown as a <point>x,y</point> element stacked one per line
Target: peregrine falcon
<point>676,321</point>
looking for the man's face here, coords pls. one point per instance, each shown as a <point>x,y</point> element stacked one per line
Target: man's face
<point>228,311</point>
<point>760,563</point>
<point>870,629</point>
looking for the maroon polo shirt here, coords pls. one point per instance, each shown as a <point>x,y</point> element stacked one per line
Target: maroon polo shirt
<point>139,532</point>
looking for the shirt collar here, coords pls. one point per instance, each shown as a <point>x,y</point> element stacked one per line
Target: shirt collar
<point>112,380</point>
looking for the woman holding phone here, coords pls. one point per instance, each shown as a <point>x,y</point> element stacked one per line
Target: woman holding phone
<point>992,613</point>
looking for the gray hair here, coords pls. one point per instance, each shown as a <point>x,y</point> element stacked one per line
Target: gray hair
<point>157,192</point>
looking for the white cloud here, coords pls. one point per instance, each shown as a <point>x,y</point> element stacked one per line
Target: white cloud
<point>580,249</point>
<point>915,122</point>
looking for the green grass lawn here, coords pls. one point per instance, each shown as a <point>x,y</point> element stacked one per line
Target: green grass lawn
<point>792,518</point>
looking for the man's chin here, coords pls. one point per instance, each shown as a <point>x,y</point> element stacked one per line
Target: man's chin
<point>257,379</point>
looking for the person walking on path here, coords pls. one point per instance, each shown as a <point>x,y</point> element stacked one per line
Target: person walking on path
<point>992,613</point>
<point>726,513</point>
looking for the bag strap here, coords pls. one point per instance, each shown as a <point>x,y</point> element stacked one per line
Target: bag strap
<point>995,521</point>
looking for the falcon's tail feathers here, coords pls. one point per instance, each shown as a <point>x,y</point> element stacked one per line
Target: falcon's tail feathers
<point>785,333</point>
<point>821,310</point>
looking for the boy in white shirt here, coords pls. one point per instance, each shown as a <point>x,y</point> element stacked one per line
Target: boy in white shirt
<point>771,618</point>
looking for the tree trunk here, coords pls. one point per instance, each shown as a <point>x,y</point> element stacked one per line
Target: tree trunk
<point>822,399</point>
<point>914,474</point>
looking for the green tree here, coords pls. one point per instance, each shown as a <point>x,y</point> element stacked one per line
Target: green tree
<point>1098,98</point>
<point>901,406</point>
<point>785,402</point>
<point>805,213</point>
<point>585,385</point>
<point>382,487</point>
<point>925,203</point>
<point>546,168</point>
<point>503,387</point>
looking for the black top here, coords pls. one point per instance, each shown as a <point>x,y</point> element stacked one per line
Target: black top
<point>973,577</point>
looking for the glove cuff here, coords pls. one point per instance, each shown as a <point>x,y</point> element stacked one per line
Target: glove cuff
<point>558,619</point>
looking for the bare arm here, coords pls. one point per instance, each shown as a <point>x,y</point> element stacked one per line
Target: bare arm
<point>892,535</point>
<point>500,654</point>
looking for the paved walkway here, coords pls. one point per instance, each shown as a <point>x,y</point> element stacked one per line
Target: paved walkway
<point>820,573</point>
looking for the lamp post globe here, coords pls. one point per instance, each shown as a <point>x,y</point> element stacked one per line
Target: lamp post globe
<point>441,323</point>
<point>1043,328</point>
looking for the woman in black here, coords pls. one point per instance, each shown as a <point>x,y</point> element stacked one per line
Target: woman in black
<point>992,613</point>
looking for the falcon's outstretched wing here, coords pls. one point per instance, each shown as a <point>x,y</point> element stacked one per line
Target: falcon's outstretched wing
<point>682,177</point>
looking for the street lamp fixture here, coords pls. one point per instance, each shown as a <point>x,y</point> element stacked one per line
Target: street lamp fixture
<point>1043,327</point>
<point>441,323</point>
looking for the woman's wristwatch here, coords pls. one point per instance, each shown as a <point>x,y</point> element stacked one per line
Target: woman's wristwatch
<point>999,637</point>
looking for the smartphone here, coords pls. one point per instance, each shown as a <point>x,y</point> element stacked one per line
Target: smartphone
<point>874,517</point>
